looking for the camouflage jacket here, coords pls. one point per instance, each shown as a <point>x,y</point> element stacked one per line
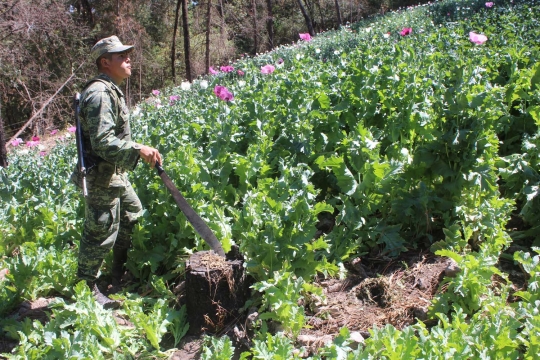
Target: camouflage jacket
<point>106,133</point>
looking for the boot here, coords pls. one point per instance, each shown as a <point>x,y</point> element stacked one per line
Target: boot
<point>118,269</point>
<point>103,300</point>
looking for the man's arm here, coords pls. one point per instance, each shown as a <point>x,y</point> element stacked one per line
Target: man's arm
<point>101,116</point>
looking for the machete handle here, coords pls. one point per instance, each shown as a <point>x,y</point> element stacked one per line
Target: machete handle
<point>159,168</point>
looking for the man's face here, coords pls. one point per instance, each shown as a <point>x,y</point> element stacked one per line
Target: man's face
<point>118,67</point>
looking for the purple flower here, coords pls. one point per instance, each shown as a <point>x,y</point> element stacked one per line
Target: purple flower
<point>155,92</point>
<point>173,99</point>
<point>406,31</point>
<point>489,4</point>
<point>223,93</point>
<point>280,61</point>
<point>226,68</point>
<point>35,138</point>
<point>267,69</point>
<point>212,71</point>
<point>54,131</point>
<point>72,129</point>
<point>16,142</point>
<point>478,39</point>
<point>240,73</point>
<point>32,143</point>
<point>305,36</point>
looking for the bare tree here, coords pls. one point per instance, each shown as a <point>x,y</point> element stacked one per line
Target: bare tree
<point>173,46</point>
<point>3,149</point>
<point>270,24</point>
<point>187,55</point>
<point>338,12</point>
<point>255,30</point>
<point>208,30</point>
<point>309,23</point>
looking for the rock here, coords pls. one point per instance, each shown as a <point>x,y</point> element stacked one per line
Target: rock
<point>357,339</point>
<point>451,268</point>
<point>317,341</point>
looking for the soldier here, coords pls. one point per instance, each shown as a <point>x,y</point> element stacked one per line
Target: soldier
<point>111,207</point>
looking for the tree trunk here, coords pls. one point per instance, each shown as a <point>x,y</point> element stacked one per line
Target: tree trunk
<point>215,289</point>
<point>3,150</point>
<point>222,15</point>
<point>270,24</point>
<point>173,45</point>
<point>338,12</point>
<point>307,18</point>
<point>186,40</point>
<point>255,30</point>
<point>207,51</point>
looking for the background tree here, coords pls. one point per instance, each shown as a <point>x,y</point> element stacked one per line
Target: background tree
<point>45,42</point>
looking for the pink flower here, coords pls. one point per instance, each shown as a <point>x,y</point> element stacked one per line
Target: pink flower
<point>267,69</point>
<point>240,73</point>
<point>212,71</point>
<point>72,129</point>
<point>54,131</point>
<point>155,92</point>
<point>305,36</point>
<point>280,61</point>
<point>406,31</point>
<point>42,153</point>
<point>489,4</point>
<point>16,142</point>
<point>226,68</point>
<point>477,38</point>
<point>223,93</point>
<point>32,143</point>
<point>173,99</point>
<point>35,138</point>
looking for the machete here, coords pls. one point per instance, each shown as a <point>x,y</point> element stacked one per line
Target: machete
<point>198,223</point>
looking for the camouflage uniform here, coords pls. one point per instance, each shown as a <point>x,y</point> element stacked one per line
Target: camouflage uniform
<point>111,207</point>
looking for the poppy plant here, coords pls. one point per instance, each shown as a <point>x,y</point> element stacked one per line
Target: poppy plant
<point>54,131</point>
<point>212,71</point>
<point>305,36</point>
<point>267,69</point>
<point>223,93</point>
<point>240,73</point>
<point>72,129</point>
<point>17,142</point>
<point>406,31</point>
<point>489,4</point>
<point>226,69</point>
<point>155,92</point>
<point>478,39</point>
<point>173,99</point>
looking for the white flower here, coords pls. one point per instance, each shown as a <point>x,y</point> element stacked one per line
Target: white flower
<point>241,83</point>
<point>185,85</point>
<point>24,152</point>
<point>368,29</point>
<point>298,56</point>
<point>41,147</point>
<point>136,111</point>
<point>386,36</point>
<point>336,52</point>
<point>203,84</point>
<point>317,51</point>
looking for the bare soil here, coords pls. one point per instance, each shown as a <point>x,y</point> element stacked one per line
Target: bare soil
<point>376,292</point>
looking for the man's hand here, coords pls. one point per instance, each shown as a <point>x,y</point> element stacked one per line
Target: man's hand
<point>150,155</point>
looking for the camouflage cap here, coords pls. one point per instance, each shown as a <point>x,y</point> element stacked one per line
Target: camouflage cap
<point>108,45</point>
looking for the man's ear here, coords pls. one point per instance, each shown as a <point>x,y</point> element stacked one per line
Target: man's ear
<point>104,64</point>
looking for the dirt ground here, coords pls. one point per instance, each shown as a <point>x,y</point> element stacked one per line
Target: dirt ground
<point>376,292</point>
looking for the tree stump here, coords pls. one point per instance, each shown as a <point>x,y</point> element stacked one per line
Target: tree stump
<point>215,289</point>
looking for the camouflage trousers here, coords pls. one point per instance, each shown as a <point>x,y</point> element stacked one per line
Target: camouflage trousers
<point>110,215</point>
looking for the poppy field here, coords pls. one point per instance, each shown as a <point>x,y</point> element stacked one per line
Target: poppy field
<point>413,130</point>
